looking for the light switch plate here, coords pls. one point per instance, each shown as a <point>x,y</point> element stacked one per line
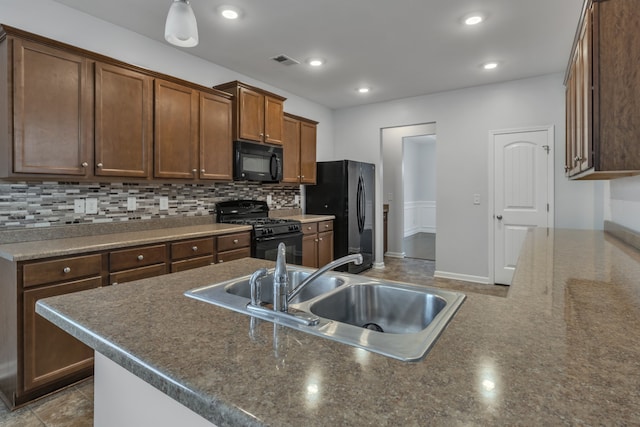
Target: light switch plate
<point>78,206</point>
<point>164,203</point>
<point>131,204</point>
<point>91,206</point>
<point>476,199</point>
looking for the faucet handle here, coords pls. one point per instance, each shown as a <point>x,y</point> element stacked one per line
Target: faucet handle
<point>254,284</point>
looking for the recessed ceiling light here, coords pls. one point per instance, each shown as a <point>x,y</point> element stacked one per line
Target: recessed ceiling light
<point>490,65</point>
<point>229,12</point>
<point>315,62</point>
<point>363,89</point>
<point>473,19</point>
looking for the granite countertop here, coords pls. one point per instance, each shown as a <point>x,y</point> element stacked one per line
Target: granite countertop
<point>305,218</point>
<point>24,251</point>
<point>562,348</point>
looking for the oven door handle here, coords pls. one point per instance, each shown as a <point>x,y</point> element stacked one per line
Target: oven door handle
<point>278,237</point>
<point>274,171</point>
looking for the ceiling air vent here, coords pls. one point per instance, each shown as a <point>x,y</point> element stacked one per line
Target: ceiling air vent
<point>285,60</point>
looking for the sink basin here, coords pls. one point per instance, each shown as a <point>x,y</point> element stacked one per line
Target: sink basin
<point>398,320</point>
<point>381,308</point>
<point>319,286</point>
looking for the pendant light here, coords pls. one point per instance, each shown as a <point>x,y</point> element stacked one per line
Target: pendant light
<point>181,28</point>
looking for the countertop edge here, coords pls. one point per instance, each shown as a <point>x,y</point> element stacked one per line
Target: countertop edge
<point>217,411</point>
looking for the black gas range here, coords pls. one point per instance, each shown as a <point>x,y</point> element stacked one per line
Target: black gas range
<point>267,232</point>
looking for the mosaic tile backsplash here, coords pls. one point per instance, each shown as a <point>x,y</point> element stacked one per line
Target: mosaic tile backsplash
<point>48,204</point>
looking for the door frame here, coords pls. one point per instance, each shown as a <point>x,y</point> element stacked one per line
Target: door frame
<point>491,197</point>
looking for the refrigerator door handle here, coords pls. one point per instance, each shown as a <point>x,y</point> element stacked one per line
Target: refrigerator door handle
<point>360,208</point>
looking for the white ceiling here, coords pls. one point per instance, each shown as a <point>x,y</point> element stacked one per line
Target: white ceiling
<point>400,48</point>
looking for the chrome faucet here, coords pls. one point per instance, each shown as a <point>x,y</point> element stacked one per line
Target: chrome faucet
<point>281,294</point>
<point>281,280</point>
<point>355,258</point>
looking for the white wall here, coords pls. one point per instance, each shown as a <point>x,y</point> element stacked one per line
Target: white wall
<point>419,160</point>
<point>624,202</point>
<point>59,22</point>
<point>464,118</point>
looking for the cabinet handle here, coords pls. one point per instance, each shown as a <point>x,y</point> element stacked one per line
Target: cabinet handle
<point>221,261</point>
<point>302,176</point>
<point>235,241</point>
<point>194,170</point>
<point>315,240</point>
<point>194,249</point>
<point>309,228</point>
<point>84,164</point>
<point>201,170</point>
<point>140,257</point>
<point>99,165</point>
<point>320,239</point>
<point>326,226</point>
<point>267,135</point>
<point>66,270</point>
<point>261,135</point>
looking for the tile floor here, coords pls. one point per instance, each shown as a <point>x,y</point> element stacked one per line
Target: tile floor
<point>420,245</point>
<point>73,407</point>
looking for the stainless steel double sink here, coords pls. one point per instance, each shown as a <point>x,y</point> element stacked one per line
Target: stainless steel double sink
<point>395,319</point>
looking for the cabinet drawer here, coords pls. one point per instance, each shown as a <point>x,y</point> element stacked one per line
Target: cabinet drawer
<point>188,264</point>
<point>137,257</point>
<point>235,254</point>
<point>233,241</point>
<point>38,273</point>
<point>310,228</point>
<point>192,248</point>
<point>137,274</point>
<point>325,226</point>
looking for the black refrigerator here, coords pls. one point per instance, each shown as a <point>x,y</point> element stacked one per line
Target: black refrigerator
<point>346,189</point>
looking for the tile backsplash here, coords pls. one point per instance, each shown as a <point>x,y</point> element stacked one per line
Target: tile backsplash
<point>48,204</point>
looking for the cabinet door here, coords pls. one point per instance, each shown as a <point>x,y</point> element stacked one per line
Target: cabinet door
<point>307,153</point>
<point>325,248</point>
<point>586,91</point>
<point>49,352</point>
<point>52,111</point>
<point>251,115</point>
<point>291,151</point>
<point>123,122</point>
<point>215,138</point>
<point>310,250</point>
<point>273,121</point>
<point>176,131</point>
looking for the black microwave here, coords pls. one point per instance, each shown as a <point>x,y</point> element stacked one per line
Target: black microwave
<point>256,162</point>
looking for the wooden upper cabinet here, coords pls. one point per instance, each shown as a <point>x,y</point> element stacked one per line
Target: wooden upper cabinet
<point>291,150</point>
<point>52,110</point>
<point>176,131</point>
<point>273,120</point>
<point>258,114</point>
<point>215,137</point>
<point>308,152</point>
<point>603,92</point>
<point>299,147</point>
<point>123,122</point>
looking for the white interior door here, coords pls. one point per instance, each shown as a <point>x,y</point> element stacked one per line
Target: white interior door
<point>523,187</point>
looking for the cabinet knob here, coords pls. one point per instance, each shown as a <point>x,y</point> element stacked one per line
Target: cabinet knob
<point>309,228</point>
<point>302,176</point>
<point>326,226</point>
<point>99,165</point>
<point>235,241</point>
<point>499,217</point>
<point>221,261</point>
<point>140,257</point>
<point>66,270</point>
<point>267,135</point>
<point>114,283</point>
<point>194,249</point>
<point>315,240</point>
<point>201,170</point>
<point>194,170</point>
<point>85,164</point>
<point>320,239</point>
<point>261,134</point>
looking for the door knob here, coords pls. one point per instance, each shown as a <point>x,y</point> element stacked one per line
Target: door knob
<point>499,217</point>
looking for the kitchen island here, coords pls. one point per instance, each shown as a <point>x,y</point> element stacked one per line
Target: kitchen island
<point>562,348</point>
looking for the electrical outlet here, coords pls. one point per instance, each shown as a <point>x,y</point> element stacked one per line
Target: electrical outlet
<point>78,206</point>
<point>269,199</point>
<point>164,203</point>
<point>91,206</point>
<point>476,199</point>
<point>296,200</point>
<point>131,204</point>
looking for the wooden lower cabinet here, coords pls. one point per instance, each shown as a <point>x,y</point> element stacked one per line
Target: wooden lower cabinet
<point>317,243</point>
<point>37,357</point>
<point>50,354</point>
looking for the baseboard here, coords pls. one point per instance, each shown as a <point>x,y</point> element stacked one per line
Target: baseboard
<point>395,254</point>
<point>378,265</point>
<point>463,277</point>
<point>627,235</point>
